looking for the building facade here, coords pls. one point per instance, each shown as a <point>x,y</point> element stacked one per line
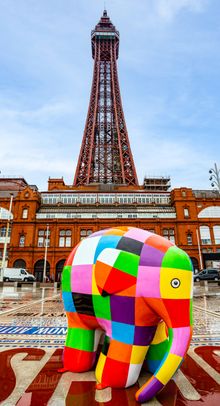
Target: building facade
<point>190,218</point>
<point>105,192</point>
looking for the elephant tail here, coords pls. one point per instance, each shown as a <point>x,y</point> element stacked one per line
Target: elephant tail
<point>157,349</point>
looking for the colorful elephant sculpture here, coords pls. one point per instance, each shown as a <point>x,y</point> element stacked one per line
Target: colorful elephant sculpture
<point>136,288</point>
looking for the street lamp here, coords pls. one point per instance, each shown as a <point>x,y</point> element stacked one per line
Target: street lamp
<point>45,254</point>
<point>6,240</point>
<point>215,177</point>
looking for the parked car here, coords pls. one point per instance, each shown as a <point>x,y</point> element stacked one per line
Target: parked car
<point>209,274</point>
<point>17,274</point>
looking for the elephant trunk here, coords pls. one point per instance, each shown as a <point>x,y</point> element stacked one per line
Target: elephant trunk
<point>179,339</point>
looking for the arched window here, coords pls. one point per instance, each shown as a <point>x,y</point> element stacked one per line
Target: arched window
<point>25,213</point>
<point>65,238</point>
<point>186,212</point>
<point>59,268</point>
<point>22,240</point>
<point>3,231</point>
<point>216,230</point>
<point>205,235</point>
<point>189,239</point>
<point>19,263</point>
<point>5,214</point>
<point>38,270</point>
<point>210,212</point>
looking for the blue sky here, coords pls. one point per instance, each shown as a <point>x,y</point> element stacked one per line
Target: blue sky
<point>169,71</point>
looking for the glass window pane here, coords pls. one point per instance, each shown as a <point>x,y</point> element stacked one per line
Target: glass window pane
<point>216,230</point>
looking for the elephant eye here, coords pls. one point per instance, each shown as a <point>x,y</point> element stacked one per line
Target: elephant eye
<point>175,283</point>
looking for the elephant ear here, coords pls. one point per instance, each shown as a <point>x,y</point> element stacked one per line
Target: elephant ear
<point>115,271</point>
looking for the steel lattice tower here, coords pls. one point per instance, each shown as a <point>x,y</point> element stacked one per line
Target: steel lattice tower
<point>105,155</point>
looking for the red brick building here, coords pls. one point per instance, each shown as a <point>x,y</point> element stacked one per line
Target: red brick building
<point>182,215</point>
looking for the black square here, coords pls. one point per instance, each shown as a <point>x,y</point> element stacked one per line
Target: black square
<point>83,304</point>
<point>129,245</point>
<point>105,346</point>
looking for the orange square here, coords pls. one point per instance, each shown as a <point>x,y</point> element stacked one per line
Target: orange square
<point>144,315</point>
<point>119,351</point>
<point>131,292</point>
<point>75,321</point>
<point>159,243</point>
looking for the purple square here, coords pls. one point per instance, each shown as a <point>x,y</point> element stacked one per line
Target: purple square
<point>150,390</point>
<point>123,309</point>
<point>150,256</point>
<point>144,334</point>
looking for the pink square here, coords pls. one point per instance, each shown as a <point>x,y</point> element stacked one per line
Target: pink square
<point>138,234</point>
<point>180,341</point>
<point>81,279</point>
<point>148,282</point>
<point>106,325</point>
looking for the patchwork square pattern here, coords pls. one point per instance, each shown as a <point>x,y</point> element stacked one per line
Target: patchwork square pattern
<point>124,281</point>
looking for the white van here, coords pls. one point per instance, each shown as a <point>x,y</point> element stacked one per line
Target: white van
<point>17,274</point>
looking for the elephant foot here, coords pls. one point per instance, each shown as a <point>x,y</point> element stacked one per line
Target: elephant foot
<point>62,370</point>
<point>119,364</point>
<point>100,386</point>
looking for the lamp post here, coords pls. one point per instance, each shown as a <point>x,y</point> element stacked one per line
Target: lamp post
<point>45,254</point>
<point>199,248</point>
<point>215,177</point>
<point>6,240</point>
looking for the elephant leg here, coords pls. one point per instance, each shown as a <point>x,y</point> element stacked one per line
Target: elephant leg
<point>157,349</point>
<point>119,364</point>
<point>80,349</point>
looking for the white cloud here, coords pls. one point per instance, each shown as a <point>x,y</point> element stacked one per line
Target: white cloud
<point>168,9</point>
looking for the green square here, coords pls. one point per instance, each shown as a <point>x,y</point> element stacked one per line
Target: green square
<point>191,312</point>
<point>66,278</point>
<point>128,263</point>
<point>177,258</point>
<point>101,307</point>
<point>80,339</point>
<point>157,351</point>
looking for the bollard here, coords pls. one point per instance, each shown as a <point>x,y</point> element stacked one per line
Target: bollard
<point>15,285</point>
<point>55,286</point>
<point>206,286</point>
<point>34,286</point>
<point>202,283</point>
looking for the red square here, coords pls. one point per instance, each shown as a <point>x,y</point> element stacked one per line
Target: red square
<point>118,280</point>
<point>179,312</point>
<point>115,373</point>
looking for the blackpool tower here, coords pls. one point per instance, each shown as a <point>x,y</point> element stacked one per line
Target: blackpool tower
<point>105,155</point>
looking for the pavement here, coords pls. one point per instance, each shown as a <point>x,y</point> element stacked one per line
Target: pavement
<point>32,335</point>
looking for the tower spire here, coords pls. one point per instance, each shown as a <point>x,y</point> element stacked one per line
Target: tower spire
<point>105,155</point>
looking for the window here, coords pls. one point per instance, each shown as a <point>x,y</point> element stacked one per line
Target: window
<point>216,231</point>
<point>205,235</point>
<point>189,239</point>
<point>65,238</point>
<point>21,241</point>
<point>85,233</point>
<point>42,238</point>
<point>169,234</point>
<point>186,212</point>
<point>183,193</point>
<point>3,231</point>
<point>25,213</point>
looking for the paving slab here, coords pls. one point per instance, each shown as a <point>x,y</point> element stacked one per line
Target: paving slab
<point>32,334</point>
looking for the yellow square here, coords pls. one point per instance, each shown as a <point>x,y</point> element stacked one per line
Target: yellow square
<point>95,290</point>
<point>99,367</point>
<point>175,283</point>
<point>138,354</point>
<point>160,334</point>
<point>166,372</point>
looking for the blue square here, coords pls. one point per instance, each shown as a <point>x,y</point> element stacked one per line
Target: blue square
<point>107,241</point>
<point>123,332</point>
<point>68,302</point>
